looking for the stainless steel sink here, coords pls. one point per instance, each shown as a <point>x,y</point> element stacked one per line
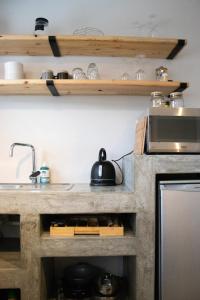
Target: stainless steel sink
<point>36,187</point>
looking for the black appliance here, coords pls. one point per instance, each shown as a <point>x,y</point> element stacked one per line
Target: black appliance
<point>79,280</point>
<point>103,171</point>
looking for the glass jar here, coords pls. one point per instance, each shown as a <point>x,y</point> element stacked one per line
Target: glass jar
<point>176,99</point>
<point>162,74</point>
<point>41,25</point>
<point>158,100</point>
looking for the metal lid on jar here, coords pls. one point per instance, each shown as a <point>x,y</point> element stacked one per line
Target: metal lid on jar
<point>156,94</point>
<point>41,20</point>
<point>40,23</point>
<point>176,95</point>
<point>161,70</point>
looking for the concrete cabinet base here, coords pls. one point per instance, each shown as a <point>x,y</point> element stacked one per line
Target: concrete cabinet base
<point>134,253</point>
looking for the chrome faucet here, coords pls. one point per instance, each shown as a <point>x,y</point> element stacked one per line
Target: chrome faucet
<point>34,174</point>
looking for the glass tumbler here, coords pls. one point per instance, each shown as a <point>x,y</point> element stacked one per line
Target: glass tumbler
<point>125,76</point>
<point>78,74</point>
<point>92,72</point>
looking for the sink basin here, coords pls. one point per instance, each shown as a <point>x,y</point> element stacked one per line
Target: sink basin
<point>38,187</point>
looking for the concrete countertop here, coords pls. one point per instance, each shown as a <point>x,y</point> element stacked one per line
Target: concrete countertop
<point>61,188</point>
<point>75,198</point>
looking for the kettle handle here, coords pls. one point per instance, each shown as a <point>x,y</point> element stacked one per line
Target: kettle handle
<point>102,154</point>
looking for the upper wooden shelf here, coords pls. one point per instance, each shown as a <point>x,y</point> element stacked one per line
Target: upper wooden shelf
<point>88,87</point>
<point>90,45</point>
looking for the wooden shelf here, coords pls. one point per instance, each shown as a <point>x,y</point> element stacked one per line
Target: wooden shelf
<point>89,87</point>
<point>91,45</point>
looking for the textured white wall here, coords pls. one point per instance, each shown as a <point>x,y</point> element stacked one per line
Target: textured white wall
<point>67,132</point>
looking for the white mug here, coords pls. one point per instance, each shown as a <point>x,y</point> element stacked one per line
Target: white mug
<point>13,70</point>
<point>13,76</point>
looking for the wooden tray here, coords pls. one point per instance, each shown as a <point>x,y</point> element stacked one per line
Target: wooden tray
<point>79,230</point>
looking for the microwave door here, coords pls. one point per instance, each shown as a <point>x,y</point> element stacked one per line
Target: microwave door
<point>173,134</point>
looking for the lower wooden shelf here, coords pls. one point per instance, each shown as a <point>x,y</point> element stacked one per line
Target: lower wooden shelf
<point>88,87</point>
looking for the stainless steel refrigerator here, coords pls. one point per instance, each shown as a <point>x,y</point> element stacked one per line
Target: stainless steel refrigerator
<point>178,241</point>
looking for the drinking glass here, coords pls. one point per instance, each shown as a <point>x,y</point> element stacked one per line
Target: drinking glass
<point>125,76</point>
<point>92,72</point>
<point>78,74</point>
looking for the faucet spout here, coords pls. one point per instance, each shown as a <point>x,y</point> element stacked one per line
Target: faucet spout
<point>34,180</point>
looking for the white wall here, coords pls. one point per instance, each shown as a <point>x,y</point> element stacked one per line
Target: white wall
<point>67,132</point>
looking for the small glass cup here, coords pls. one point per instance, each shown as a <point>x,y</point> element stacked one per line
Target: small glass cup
<point>83,30</point>
<point>47,74</point>
<point>125,76</point>
<point>141,61</point>
<point>78,74</point>
<point>140,74</point>
<point>92,72</point>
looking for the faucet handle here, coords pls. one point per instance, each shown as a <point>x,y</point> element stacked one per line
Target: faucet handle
<point>34,175</point>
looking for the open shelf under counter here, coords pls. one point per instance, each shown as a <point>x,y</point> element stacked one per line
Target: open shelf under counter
<point>87,245</point>
<point>10,260</point>
<point>11,271</point>
<point>60,45</point>
<point>63,87</point>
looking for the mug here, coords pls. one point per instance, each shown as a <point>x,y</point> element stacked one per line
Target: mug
<point>13,67</point>
<point>13,70</point>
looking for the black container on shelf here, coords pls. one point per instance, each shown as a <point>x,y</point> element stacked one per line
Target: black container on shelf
<point>78,280</point>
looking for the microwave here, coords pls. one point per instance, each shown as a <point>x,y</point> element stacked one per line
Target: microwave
<point>173,130</point>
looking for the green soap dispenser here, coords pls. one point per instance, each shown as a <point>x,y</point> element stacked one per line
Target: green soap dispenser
<point>44,174</point>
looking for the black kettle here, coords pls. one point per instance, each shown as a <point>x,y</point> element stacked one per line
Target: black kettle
<point>103,171</point>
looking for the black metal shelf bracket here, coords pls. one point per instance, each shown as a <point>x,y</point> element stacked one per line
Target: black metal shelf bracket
<point>182,87</point>
<point>54,46</point>
<point>180,44</point>
<point>51,86</point>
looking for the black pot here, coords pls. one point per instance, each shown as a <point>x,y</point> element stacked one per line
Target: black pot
<point>103,171</point>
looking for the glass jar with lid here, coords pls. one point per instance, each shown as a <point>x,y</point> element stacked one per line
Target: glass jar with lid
<point>41,25</point>
<point>176,99</point>
<point>158,100</point>
<point>162,74</point>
